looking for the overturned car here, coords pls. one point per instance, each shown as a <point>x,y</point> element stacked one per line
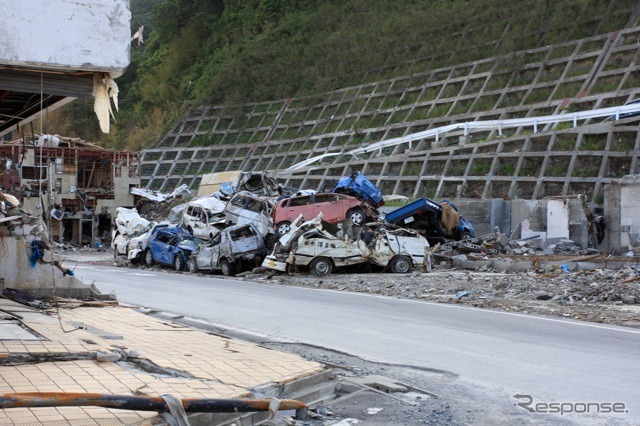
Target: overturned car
<point>308,244</point>
<point>436,221</point>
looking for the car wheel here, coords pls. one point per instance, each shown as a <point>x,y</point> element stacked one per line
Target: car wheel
<point>135,260</point>
<point>178,263</point>
<point>465,235</point>
<point>401,265</point>
<point>283,228</point>
<point>271,240</point>
<point>321,266</point>
<point>148,258</point>
<point>227,268</point>
<point>193,266</point>
<point>356,216</point>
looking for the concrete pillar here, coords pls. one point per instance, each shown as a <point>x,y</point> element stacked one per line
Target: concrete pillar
<point>612,218</point>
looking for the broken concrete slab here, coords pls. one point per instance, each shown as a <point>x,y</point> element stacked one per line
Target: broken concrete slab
<point>506,265</point>
<point>39,279</point>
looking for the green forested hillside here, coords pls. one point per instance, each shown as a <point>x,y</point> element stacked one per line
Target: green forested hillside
<point>237,51</point>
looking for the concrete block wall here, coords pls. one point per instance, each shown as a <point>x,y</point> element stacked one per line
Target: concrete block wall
<point>593,72</point>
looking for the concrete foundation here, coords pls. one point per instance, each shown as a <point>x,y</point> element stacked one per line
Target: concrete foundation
<point>42,281</point>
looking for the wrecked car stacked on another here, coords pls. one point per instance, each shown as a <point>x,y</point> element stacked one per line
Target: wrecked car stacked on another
<point>246,207</point>
<point>204,217</point>
<point>234,229</point>
<point>436,221</point>
<point>336,208</point>
<point>359,186</point>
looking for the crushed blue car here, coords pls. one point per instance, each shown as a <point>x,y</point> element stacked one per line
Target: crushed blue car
<point>359,186</point>
<point>171,247</point>
<point>426,216</point>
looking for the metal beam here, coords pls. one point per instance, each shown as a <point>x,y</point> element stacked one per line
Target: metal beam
<point>139,403</point>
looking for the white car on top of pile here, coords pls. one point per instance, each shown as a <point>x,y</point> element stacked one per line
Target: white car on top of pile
<point>307,244</point>
<point>204,217</point>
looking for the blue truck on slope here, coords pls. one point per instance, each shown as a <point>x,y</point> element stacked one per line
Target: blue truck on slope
<point>426,216</point>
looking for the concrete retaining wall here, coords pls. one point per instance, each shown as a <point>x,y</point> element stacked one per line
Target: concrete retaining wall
<point>42,280</point>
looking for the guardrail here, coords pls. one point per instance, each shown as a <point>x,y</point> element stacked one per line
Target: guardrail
<point>475,126</point>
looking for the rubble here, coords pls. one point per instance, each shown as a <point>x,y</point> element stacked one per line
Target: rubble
<point>599,295</point>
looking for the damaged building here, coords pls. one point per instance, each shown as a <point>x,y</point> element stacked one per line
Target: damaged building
<point>72,184</point>
<point>75,185</point>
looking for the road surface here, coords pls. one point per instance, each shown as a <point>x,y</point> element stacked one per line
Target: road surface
<point>551,359</point>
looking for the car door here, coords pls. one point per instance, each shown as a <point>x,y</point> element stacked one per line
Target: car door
<point>243,239</point>
<point>168,251</point>
<point>213,247</point>
<point>235,208</point>
<point>328,204</point>
<point>200,222</point>
<point>301,205</point>
<point>158,245</point>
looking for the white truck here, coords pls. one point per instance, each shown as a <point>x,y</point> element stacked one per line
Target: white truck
<point>307,244</point>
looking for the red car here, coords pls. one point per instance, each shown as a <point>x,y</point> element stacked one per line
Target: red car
<point>336,208</point>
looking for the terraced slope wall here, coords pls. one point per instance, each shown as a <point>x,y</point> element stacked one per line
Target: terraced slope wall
<point>594,72</point>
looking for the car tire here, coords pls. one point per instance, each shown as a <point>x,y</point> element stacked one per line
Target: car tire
<point>136,259</point>
<point>271,240</point>
<point>227,268</point>
<point>283,227</point>
<point>465,235</point>
<point>356,216</point>
<point>148,258</point>
<point>178,262</point>
<point>401,265</point>
<point>193,266</point>
<point>321,266</point>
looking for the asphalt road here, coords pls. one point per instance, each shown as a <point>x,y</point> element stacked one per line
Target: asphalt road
<point>501,353</point>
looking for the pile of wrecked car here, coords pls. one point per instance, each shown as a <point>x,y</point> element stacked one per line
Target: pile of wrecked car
<point>255,221</point>
<point>309,244</point>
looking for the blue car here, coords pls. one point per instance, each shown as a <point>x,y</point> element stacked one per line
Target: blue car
<point>171,247</point>
<point>425,216</point>
<point>359,186</point>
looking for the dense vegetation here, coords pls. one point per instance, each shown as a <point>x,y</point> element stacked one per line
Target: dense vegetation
<point>237,51</point>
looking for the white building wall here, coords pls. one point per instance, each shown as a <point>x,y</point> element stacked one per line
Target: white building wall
<point>91,35</point>
<point>630,211</point>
